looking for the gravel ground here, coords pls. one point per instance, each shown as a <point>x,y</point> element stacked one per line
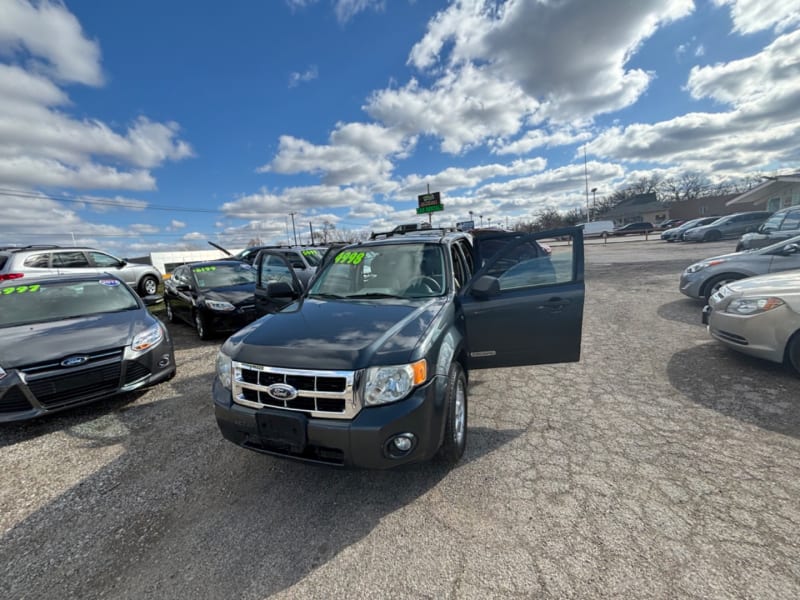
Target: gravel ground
<point>662,465</point>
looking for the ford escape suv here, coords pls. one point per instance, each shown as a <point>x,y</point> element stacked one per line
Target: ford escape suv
<point>369,366</point>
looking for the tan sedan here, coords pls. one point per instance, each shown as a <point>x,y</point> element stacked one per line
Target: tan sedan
<point>759,316</point>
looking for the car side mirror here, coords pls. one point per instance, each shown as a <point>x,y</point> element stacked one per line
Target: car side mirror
<point>485,287</point>
<point>182,287</point>
<point>790,249</point>
<point>281,290</point>
<point>152,300</point>
<point>122,263</point>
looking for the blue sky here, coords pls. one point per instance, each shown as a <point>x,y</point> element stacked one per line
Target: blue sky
<point>148,126</point>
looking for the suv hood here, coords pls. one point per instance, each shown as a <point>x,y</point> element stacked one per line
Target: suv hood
<point>22,345</point>
<point>343,335</point>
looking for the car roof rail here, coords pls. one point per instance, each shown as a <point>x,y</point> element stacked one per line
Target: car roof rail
<point>32,247</point>
<point>375,235</point>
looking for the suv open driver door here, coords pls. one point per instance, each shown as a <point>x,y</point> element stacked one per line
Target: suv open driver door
<point>523,305</point>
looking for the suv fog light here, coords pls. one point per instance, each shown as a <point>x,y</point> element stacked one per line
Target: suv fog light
<point>401,445</point>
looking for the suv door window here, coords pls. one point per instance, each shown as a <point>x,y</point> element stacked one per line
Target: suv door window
<point>295,260</point>
<point>537,318</point>
<point>70,260</point>
<point>100,259</point>
<point>274,269</point>
<point>38,261</point>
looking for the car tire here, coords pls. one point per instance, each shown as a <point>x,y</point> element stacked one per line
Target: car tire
<point>715,283</point>
<point>168,310</point>
<point>455,427</point>
<point>148,286</point>
<point>604,235</point>
<point>739,247</point>
<point>201,326</point>
<point>712,236</point>
<point>793,352</point>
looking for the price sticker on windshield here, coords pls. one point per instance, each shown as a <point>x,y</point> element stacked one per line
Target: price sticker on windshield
<point>351,258</point>
<point>204,269</point>
<point>20,289</point>
<point>310,253</point>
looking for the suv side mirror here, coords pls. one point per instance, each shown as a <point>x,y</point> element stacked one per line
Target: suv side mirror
<point>485,286</point>
<point>280,289</point>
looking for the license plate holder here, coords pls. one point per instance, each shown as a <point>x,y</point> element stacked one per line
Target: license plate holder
<point>283,428</point>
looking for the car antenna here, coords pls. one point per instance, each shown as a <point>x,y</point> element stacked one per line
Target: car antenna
<point>219,248</point>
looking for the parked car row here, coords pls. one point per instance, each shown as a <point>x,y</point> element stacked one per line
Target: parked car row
<point>752,299</point>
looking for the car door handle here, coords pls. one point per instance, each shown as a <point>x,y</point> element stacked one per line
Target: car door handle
<point>554,304</point>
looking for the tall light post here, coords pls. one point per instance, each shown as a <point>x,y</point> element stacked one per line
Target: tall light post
<point>489,221</point>
<point>481,218</point>
<point>594,201</point>
<point>470,217</point>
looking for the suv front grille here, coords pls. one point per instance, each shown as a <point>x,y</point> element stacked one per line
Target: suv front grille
<point>327,394</point>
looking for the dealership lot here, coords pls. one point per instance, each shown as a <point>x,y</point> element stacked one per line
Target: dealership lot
<point>661,465</point>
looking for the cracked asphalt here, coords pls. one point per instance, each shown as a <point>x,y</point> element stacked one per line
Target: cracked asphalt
<point>662,465</point>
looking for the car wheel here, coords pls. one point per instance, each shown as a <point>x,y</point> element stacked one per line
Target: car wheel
<point>605,235</point>
<point>715,283</point>
<point>739,247</point>
<point>148,285</point>
<point>455,428</point>
<point>793,352</point>
<point>168,309</point>
<point>712,236</point>
<point>200,325</point>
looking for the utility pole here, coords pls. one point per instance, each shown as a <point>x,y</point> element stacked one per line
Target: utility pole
<point>586,177</point>
<point>311,229</point>
<point>294,231</point>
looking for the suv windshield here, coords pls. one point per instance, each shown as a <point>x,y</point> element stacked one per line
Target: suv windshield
<point>52,301</point>
<point>223,275</point>
<point>384,271</point>
<point>313,256</point>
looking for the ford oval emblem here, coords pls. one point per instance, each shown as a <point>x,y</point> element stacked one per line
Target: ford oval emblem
<point>281,391</point>
<point>74,361</point>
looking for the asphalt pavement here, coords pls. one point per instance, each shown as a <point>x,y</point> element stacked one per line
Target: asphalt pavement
<point>662,465</point>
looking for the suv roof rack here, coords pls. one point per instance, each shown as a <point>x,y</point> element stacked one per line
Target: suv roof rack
<point>31,247</point>
<point>428,231</point>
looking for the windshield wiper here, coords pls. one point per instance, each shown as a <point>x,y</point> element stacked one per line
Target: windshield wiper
<point>328,296</point>
<point>375,295</point>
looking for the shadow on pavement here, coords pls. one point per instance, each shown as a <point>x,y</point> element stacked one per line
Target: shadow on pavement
<point>182,513</point>
<point>755,391</point>
<point>686,311</point>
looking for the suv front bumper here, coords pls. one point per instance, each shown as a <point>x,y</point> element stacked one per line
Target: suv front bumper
<point>361,442</point>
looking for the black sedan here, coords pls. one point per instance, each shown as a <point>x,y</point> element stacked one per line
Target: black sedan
<point>73,340</point>
<point>215,296</point>
<point>641,227</point>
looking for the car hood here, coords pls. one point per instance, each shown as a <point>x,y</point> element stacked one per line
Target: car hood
<point>39,342</point>
<point>235,294</point>
<point>337,335</point>
<point>768,285</point>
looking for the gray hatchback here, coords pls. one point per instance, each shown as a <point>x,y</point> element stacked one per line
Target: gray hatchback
<point>704,278</point>
<point>27,261</point>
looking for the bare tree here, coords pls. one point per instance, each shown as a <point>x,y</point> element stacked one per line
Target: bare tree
<point>686,187</point>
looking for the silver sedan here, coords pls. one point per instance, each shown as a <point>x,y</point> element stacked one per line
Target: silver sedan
<point>703,279</point>
<point>759,316</point>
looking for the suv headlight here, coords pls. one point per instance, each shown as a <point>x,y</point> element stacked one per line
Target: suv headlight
<point>392,383</point>
<point>752,306</point>
<point>219,305</point>
<point>224,369</point>
<point>150,337</point>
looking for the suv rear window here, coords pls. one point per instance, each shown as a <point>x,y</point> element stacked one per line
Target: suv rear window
<point>37,261</point>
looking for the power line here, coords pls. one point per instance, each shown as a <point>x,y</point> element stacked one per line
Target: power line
<point>101,202</point>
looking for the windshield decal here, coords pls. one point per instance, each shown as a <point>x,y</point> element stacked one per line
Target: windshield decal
<point>20,289</point>
<point>109,282</point>
<point>204,269</point>
<point>310,253</point>
<point>352,258</point>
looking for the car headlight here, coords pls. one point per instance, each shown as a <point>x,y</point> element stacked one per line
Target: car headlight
<point>702,265</point>
<point>2,373</point>
<point>392,383</point>
<point>224,369</point>
<point>150,337</point>
<point>752,306</point>
<point>219,305</point>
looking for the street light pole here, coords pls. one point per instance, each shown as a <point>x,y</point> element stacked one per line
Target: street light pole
<point>594,201</point>
<point>481,217</point>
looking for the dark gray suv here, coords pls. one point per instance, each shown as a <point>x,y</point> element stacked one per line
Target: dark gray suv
<point>19,262</point>
<point>782,225</point>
